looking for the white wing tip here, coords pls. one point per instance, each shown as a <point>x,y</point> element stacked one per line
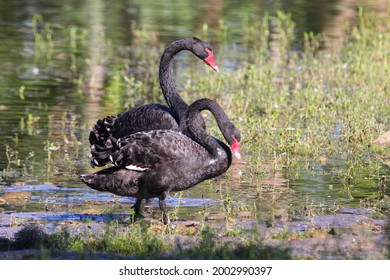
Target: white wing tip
<point>135,168</point>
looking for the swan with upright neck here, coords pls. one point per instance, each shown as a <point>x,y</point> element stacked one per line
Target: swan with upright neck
<point>154,163</point>
<point>150,116</point>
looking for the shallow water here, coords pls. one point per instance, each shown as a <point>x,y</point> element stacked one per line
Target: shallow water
<point>43,110</point>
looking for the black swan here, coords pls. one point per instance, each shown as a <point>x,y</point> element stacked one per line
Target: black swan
<point>153,163</point>
<point>151,116</point>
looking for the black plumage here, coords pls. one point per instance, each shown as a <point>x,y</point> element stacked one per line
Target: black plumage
<point>150,116</point>
<point>153,163</point>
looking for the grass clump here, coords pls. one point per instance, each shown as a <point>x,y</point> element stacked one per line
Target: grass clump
<point>135,241</point>
<point>312,103</point>
<point>252,247</point>
<point>139,242</point>
<point>29,237</point>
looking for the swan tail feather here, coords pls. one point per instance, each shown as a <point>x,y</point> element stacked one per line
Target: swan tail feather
<point>102,142</point>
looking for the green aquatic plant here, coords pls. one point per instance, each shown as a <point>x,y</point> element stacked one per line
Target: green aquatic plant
<point>312,43</point>
<point>49,147</point>
<point>222,30</point>
<point>12,156</point>
<point>43,36</point>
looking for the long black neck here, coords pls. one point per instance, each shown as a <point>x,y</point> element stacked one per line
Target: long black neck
<point>199,134</point>
<point>167,82</point>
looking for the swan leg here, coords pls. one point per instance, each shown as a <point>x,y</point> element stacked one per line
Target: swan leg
<point>163,207</point>
<point>138,207</point>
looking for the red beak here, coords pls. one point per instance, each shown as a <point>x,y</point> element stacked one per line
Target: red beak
<point>210,60</point>
<point>236,148</point>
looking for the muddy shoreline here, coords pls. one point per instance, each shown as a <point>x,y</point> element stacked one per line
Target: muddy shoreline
<point>340,236</point>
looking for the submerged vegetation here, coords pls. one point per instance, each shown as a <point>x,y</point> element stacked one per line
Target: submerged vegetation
<point>308,115</point>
